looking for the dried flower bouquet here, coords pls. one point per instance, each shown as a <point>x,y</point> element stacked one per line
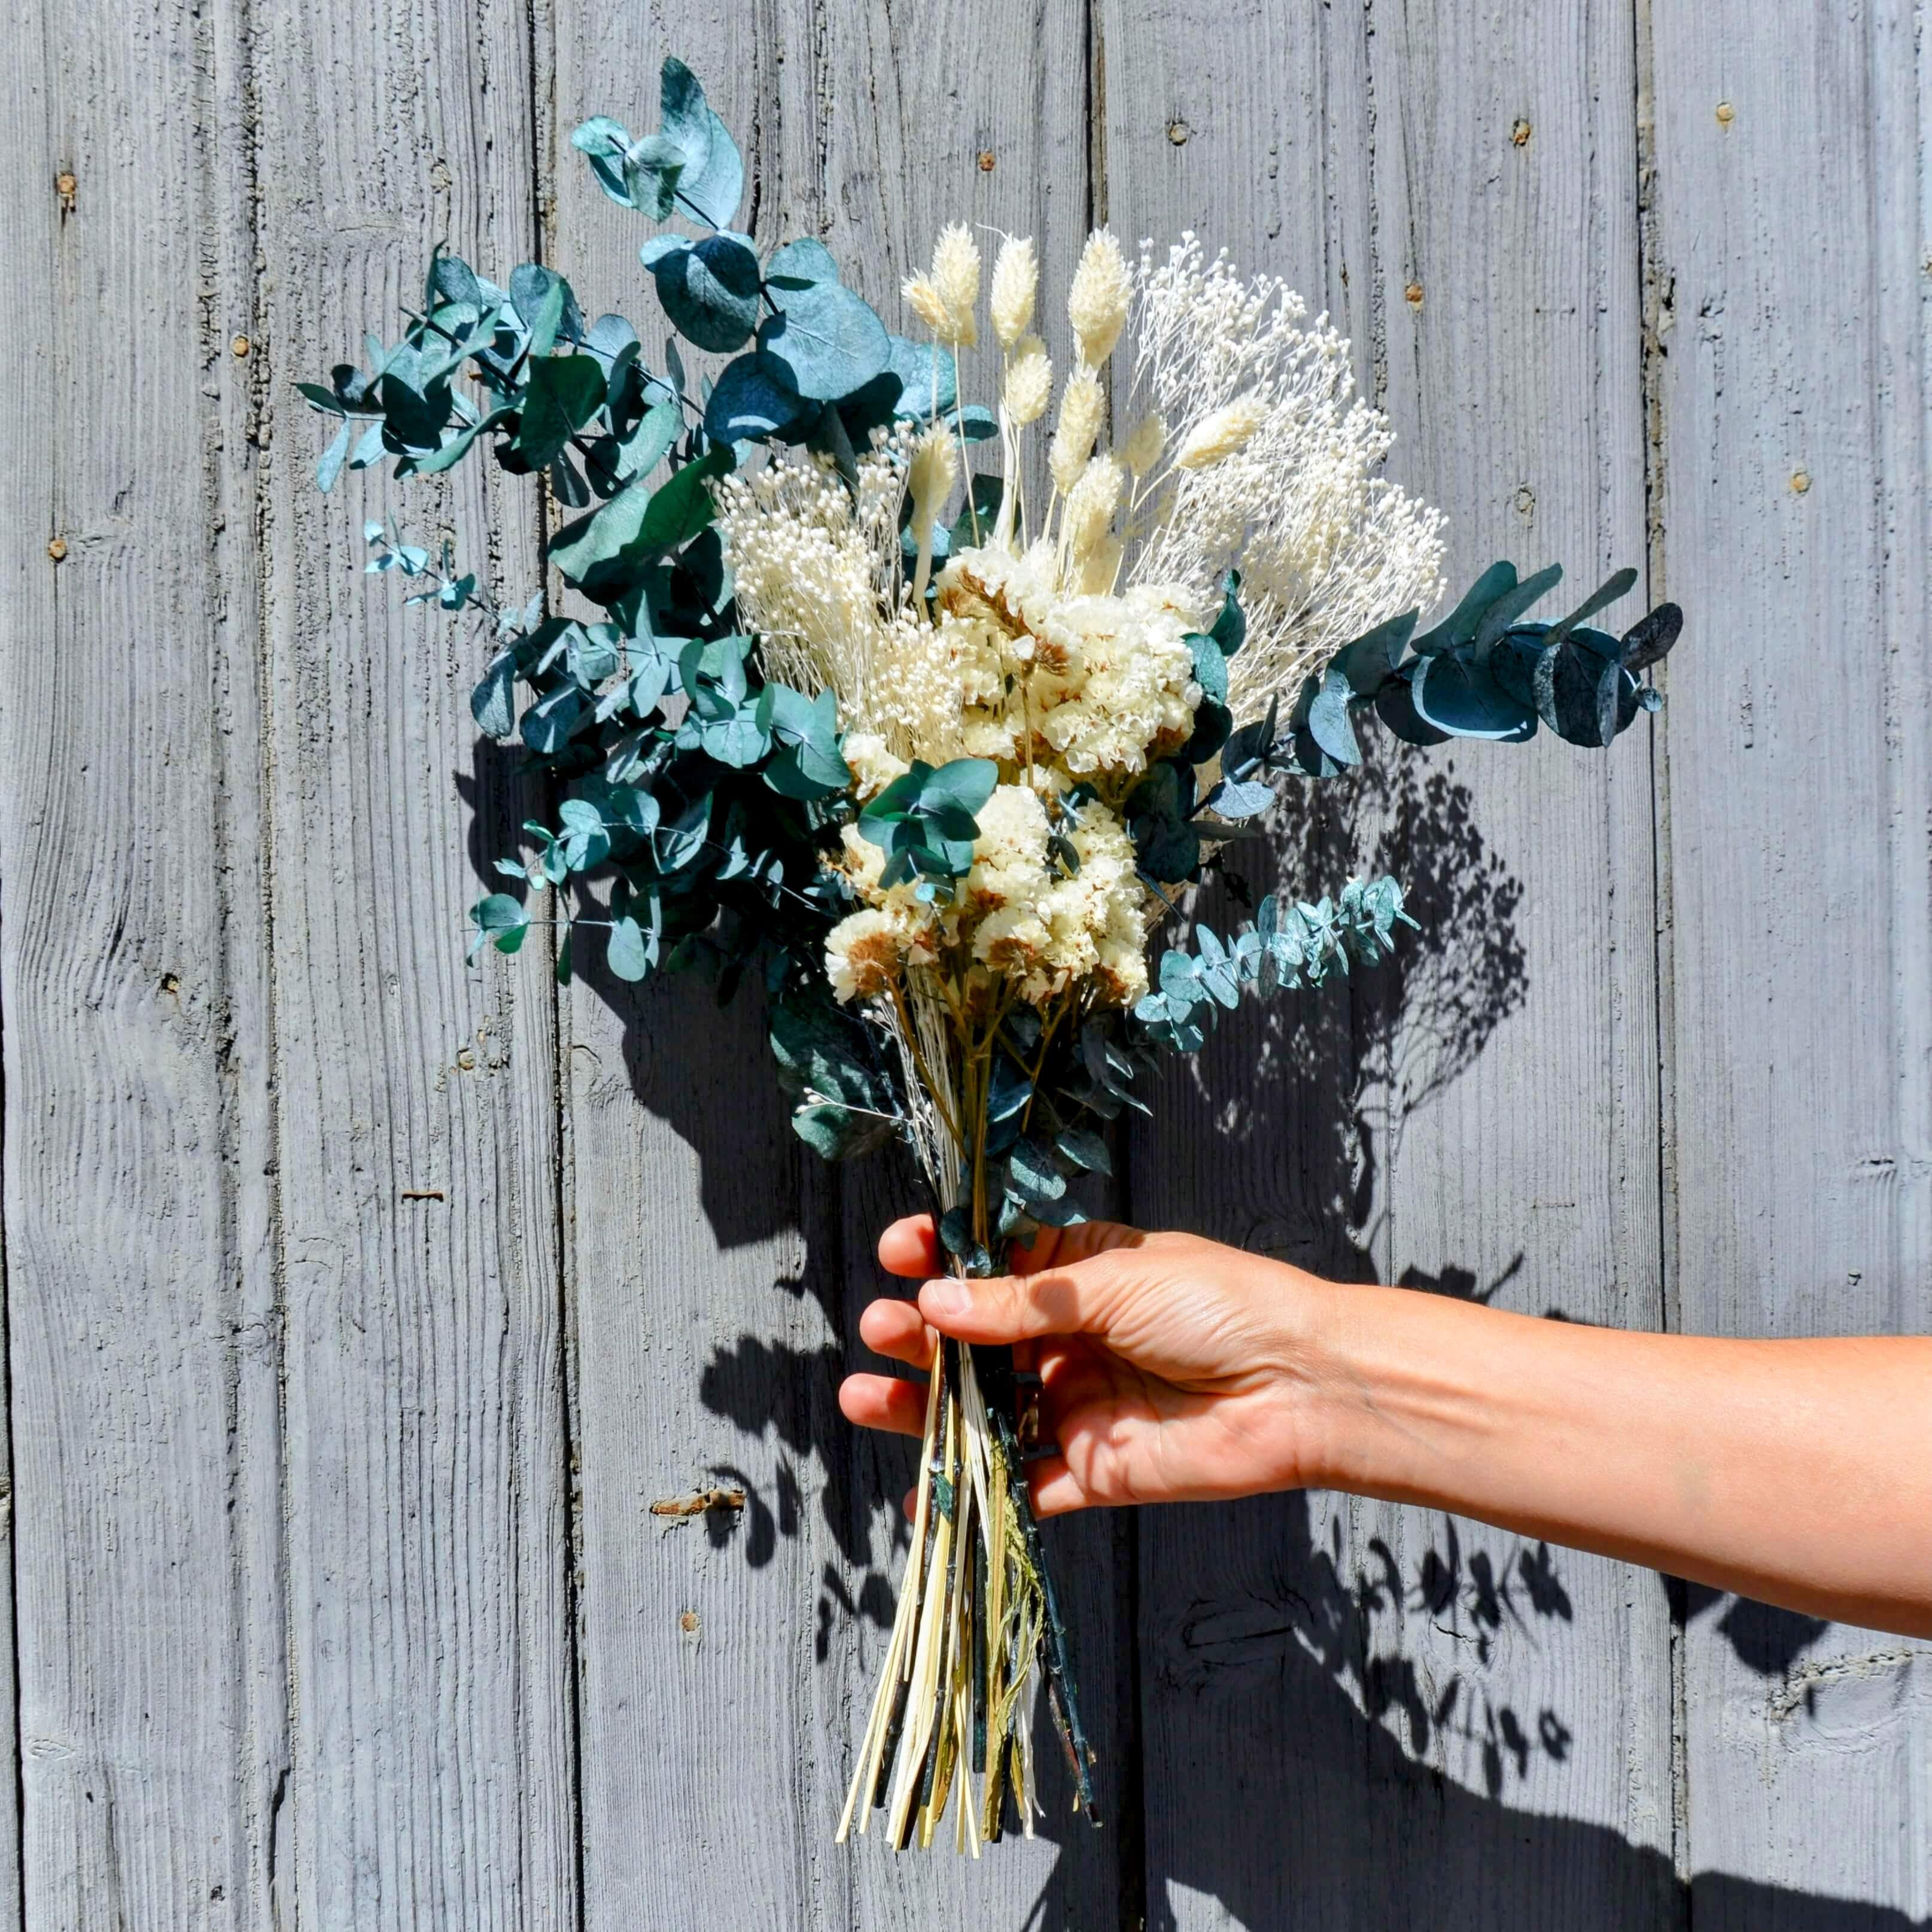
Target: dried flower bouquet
<point>935,737</point>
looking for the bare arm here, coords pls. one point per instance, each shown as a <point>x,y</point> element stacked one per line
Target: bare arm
<point>1173,1368</point>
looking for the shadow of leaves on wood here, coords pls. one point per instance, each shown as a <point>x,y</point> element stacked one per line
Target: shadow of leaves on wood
<point>1764,1638</point>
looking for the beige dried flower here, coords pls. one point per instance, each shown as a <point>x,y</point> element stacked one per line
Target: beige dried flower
<point>1096,304</point>
<point>955,275</point>
<point>925,301</point>
<point>1082,406</point>
<point>929,478</point>
<point>1029,381</point>
<point>861,955</point>
<point>1142,449</point>
<point>1091,505</point>
<point>1222,434</point>
<point>1016,284</point>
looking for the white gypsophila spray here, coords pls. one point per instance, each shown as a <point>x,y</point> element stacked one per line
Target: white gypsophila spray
<point>1275,475</point>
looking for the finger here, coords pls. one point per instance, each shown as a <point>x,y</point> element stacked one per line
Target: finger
<point>895,1328</point>
<point>884,1402</point>
<point>911,1247</point>
<point>909,1502</point>
<point>1012,1308</point>
<point>1054,1488</point>
<point>1061,1247</point>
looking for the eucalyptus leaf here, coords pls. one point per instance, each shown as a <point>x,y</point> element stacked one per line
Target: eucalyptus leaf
<point>755,397</point>
<point>565,392</point>
<point>631,953</point>
<point>831,340</point>
<point>709,290</point>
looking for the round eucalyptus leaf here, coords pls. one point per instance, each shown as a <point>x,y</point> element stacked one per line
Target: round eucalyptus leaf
<point>831,340</point>
<point>755,398</point>
<point>709,290</point>
<point>929,377</point>
<point>802,262</point>
<point>1463,699</point>
<point>1395,706</point>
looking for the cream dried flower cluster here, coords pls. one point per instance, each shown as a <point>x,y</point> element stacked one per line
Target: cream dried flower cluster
<point>1055,644</point>
<point>1275,472</point>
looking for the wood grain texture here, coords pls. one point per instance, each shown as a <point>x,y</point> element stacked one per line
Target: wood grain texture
<point>1793,394</point>
<point>298,1637</point>
<point>142,1324</point>
<point>433,1775</point>
<point>1479,1118</point>
<point>712,1338</point>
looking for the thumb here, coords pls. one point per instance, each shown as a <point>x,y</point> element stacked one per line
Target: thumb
<point>1013,1308</point>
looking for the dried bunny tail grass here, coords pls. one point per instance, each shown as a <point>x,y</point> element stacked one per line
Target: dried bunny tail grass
<point>1142,450</point>
<point>1282,482</point>
<point>930,479</point>
<point>1091,505</point>
<point>1097,302</point>
<point>956,275</point>
<point>1016,288</point>
<point>1082,407</point>
<point>1222,434</point>
<point>1029,381</point>
<point>924,299</point>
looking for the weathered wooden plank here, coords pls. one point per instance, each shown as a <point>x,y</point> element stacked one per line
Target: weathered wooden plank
<point>718,1273</point>
<point>1435,1722</point>
<point>433,1765</point>
<point>141,1311</point>
<point>1792,392</point>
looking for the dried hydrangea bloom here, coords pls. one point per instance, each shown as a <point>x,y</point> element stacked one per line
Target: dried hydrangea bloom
<point>862,954</point>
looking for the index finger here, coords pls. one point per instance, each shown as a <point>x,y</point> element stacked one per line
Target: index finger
<point>910,1247</point>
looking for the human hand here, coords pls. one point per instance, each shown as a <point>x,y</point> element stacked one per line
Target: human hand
<point>1171,1368</point>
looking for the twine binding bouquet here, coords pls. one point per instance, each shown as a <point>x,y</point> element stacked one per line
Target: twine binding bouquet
<point>934,737</point>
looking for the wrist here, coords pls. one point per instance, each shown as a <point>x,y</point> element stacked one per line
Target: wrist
<point>1383,1391</point>
<point>1322,1371</point>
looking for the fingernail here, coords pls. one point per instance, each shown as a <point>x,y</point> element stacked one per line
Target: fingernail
<point>946,1297</point>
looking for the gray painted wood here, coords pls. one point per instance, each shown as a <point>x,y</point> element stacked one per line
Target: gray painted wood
<point>433,1770</point>
<point>141,1321</point>
<point>337,1596</point>
<point>1402,1697</point>
<point>1789,262</point>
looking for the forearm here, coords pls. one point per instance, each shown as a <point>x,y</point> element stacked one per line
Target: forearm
<point>1800,1472</point>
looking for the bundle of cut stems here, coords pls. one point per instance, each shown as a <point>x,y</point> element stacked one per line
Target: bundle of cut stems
<point>979,1626</point>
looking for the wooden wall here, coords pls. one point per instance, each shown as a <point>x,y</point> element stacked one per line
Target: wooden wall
<point>358,1305</point>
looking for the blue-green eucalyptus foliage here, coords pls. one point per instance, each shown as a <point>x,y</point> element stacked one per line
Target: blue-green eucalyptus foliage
<point>708,797</point>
